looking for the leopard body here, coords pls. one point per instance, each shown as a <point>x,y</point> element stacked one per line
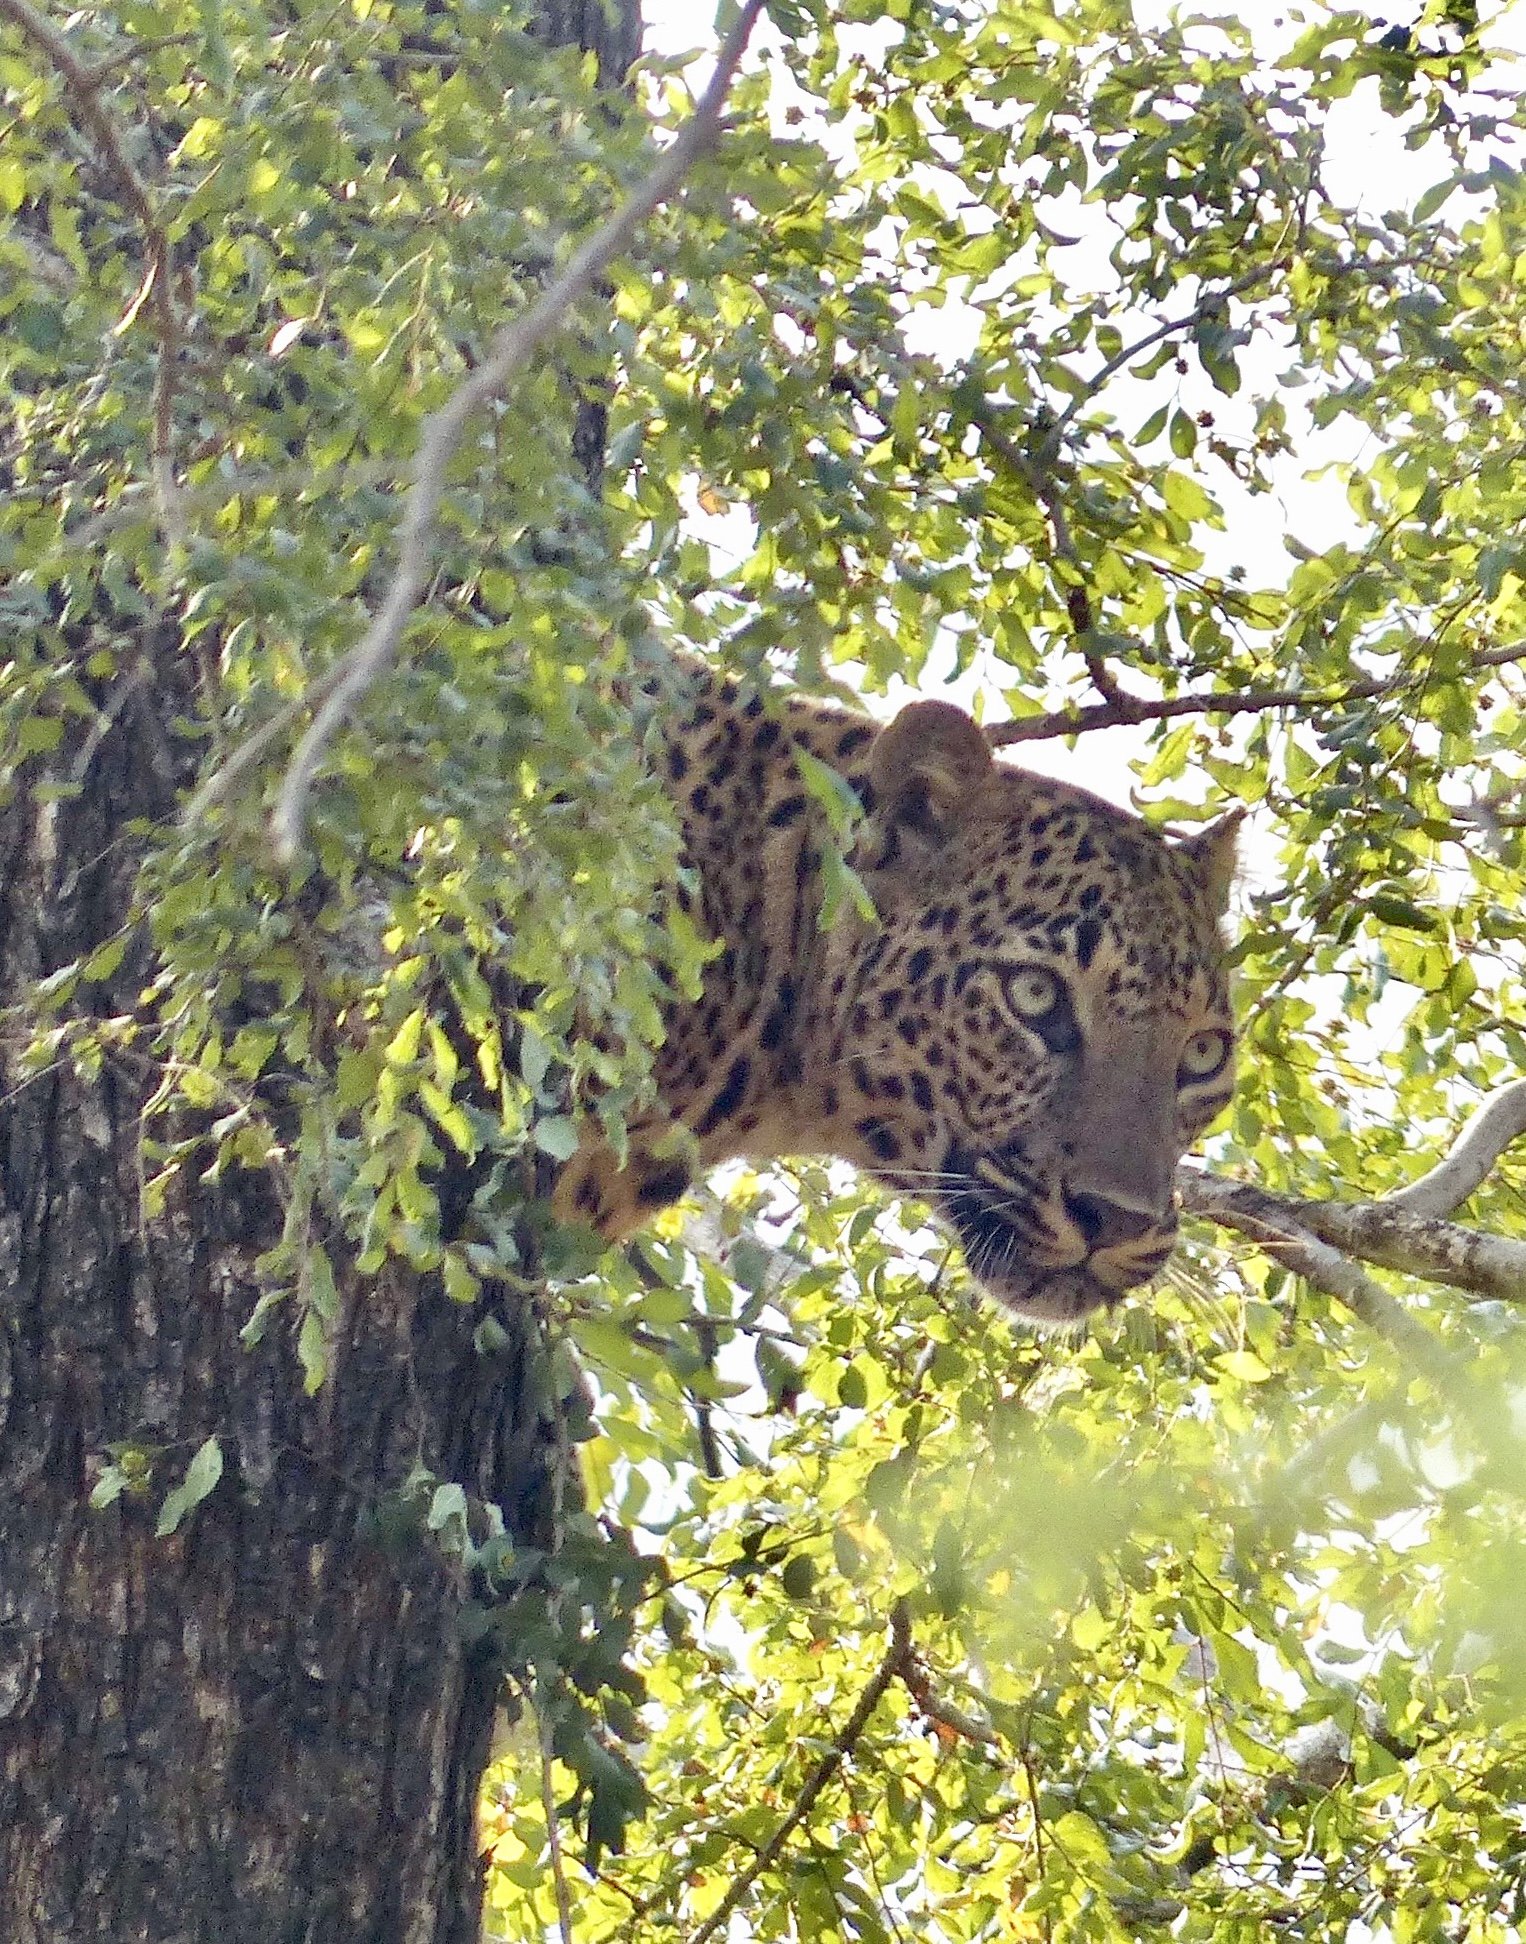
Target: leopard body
<point>1027,1034</point>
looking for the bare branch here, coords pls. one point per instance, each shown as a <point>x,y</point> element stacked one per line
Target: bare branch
<point>1491,1266</point>
<point>1382,1233</point>
<point>1404,1231</point>
<point>511,349</point>
<point>898,1657</point>
<point>1126,710</point>
<point>1501,1120</point>
<point>83,85</point>
<point>954,1721</point>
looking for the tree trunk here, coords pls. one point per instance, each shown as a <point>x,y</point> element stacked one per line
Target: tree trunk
<point>272,1724</point>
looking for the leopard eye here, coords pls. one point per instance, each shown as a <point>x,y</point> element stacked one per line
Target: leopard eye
<point>1204,1057</point>
<point>1033,990</point>
<point>1041,1001</point>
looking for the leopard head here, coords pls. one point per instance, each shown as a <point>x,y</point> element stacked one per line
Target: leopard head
<point>1039,1027</point>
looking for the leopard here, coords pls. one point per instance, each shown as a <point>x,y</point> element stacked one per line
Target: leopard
<point>1023,1021</point>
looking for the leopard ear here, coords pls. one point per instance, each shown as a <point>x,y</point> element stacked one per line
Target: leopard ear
<point>1213,850</point>
<point>923,767</point>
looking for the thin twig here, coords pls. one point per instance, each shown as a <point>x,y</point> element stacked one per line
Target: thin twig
<point>1039,480</point>
<point>1026,1757</point>
<point>83,84</point>
<point>1205,306</point>
<point>102,71</point>
<point>897,1659</point>
<point>553,1827</point>
<point>871,1864</point>
<point>1042,484</point>
<point>510,351</point>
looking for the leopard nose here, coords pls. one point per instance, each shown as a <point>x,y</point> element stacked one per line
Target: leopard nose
<point>1105,1224</point>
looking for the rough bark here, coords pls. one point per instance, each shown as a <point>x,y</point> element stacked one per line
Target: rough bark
<point>266,1726</point>
<point>1385,1232</point>
<point>611,29</point>
<point>271,1725</point>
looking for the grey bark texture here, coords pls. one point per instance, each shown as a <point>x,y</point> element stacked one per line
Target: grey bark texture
<point>609,28</point>
<point>269,1726</point>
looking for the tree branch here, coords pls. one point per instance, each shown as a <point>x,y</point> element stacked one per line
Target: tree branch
<point>954,1721</point>
<point>1490,1266</point>
<point>1119,708</point>
<point>1382,1233</point>
<point>83,84</point>
<point>1125,710</point>
<point>511,349</point>
<point>1405,1230</point>
<point>553,1827</point>
<point>1501,1120</point>
<point>898,1657</point>
<point>1288,1237</point>
<point>219,785</point>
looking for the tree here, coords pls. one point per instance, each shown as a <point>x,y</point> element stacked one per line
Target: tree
<point>258,1434</point>
<point>1204,1623</point>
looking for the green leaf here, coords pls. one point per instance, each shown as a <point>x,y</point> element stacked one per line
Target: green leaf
<point>447,1508</point>
<point>1153,426</point>
<point>461,1285</point>
<point>557,1135</point>
<point>798,1577</point>
<point>312,1351</point>
<point>39,735</point>
<point>1243,1365</point>
<point>201,1476</point>
<point>1394,909</point>
<point>108,1488</point>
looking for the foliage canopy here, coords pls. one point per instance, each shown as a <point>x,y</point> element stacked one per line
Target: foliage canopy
<point>1000,332</point>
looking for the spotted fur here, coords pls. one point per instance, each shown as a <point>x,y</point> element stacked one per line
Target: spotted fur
<point>1028,1038</point>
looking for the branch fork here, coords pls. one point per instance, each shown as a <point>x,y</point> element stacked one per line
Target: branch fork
<point>1325,1242</point>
